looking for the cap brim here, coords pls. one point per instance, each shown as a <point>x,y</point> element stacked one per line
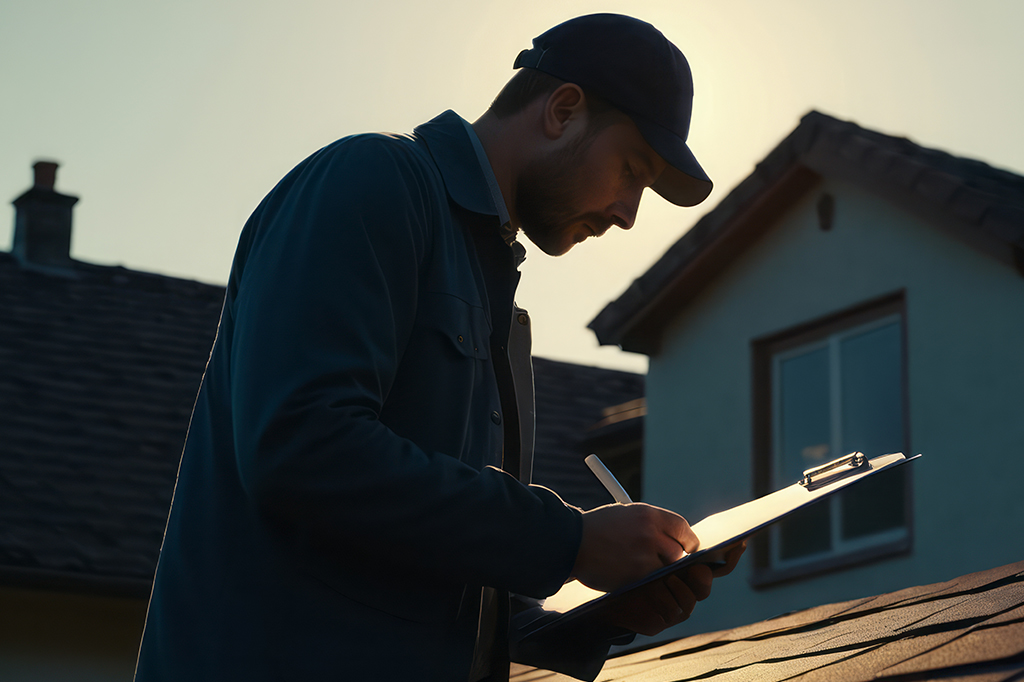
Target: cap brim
<point>683,182</point>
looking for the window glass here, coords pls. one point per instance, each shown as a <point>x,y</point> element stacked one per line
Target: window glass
<point>872,419</point>
<point>871,391</point>
<point>804,413</point>
<point>804,434</point>
<point>836,395</point>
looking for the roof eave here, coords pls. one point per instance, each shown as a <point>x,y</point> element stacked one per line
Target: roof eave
<point>702,254</point>
<point>635,319</point>
<point>911,177</point>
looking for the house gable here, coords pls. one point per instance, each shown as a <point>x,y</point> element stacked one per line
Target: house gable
<point>981,205</point>
<point>838,222</point>
<point>963,369</point>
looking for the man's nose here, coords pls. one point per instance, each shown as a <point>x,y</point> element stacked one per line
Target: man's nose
<point>624,212</point>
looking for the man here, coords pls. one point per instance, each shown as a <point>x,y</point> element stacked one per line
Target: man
<point>347,505</point>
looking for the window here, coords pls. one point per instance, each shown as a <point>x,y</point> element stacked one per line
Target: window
<point>827,389</point>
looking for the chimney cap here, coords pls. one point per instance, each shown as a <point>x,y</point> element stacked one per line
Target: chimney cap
<point>45,174</point>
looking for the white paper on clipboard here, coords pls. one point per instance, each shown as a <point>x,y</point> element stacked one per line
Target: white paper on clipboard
<point>580,606</point>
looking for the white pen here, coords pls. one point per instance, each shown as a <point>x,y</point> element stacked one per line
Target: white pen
<point>612,485</point>
<point>607,479</point>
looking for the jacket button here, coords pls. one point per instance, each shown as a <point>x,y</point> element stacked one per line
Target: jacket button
<point>460,338</point>
<point>495,417</point>
<point>523,319</point>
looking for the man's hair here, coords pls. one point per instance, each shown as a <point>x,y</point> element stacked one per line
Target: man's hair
<point>528,85</point>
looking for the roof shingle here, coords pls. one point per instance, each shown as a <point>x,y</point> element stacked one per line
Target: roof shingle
<point>970,628</point>
<point>99,367</point>
<point>570,400</point>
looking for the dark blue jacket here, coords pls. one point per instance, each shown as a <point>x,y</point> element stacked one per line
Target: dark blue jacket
<point>336,511</point>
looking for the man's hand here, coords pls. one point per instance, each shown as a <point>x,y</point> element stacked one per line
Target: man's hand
<point>624,542</point>
<point>732,557</point>
<point>661,604</point>
<point>669,601</point>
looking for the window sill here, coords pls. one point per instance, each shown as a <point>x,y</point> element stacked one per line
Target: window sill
<point>770,577</point>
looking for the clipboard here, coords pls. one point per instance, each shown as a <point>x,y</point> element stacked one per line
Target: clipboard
<point>716,532</point>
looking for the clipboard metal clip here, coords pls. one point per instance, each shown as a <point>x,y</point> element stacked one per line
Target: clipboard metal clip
<point>837,468</point>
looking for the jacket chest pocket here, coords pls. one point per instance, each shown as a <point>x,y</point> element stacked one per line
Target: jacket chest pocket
<point>463,328</point>
<point>446,398</point>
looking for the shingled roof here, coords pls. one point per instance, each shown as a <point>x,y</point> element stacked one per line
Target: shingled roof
<point>99,368</point>
<point>571,400</point>
<point>969,628</point>
<point>982,205</point>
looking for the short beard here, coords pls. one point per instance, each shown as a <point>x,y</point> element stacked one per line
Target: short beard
<point>547,192</point>
<point>545,198</point>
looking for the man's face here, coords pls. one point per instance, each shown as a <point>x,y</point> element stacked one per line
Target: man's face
<point>582,189</point>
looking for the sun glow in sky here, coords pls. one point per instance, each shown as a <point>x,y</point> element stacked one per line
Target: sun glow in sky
<point>172,120</point>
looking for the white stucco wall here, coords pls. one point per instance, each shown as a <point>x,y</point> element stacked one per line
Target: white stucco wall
<point>965,335</point>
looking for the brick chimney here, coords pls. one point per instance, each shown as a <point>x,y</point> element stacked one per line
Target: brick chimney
<point>42,221</point>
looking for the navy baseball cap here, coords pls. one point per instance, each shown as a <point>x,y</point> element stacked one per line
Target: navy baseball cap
<point>632,65</point>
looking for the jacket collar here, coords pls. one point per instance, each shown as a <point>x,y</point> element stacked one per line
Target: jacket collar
<point>448,140</point>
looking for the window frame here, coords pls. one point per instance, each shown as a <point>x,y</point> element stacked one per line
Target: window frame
<point>764,350</point>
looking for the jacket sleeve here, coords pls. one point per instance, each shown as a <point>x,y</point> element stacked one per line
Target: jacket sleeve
<point>581,657</point>
<point>322,302</point>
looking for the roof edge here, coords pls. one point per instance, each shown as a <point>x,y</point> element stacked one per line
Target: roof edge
<point>79,583</point>
<point>618,322</point>
<point>980,204</point>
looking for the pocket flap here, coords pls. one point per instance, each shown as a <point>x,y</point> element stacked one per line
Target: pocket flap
<point>465,325</point>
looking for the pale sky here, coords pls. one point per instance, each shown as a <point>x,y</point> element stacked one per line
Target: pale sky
<point>171,120</point>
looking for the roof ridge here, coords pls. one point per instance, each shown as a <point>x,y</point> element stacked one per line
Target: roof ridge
<point>90,273</point>
<point>987,201</point>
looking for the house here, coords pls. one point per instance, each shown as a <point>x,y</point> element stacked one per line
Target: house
<point>968,629</point>
<point>99,368</point>
<point>583,410</point>
<point>856,292</point>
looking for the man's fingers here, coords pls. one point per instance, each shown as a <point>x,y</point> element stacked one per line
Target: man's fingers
<point>661,601</point>
<point>669,550</point>
<point>654,607</point>
<point>679,530</point>
<point>683,597</point>
<point>732,557</point>
<point>625,542</point>
<point>648,624</point>
<point>672,600</point>
<point>676,538</point>
<point>698,578</point>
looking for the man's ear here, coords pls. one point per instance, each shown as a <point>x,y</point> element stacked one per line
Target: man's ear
<point>564,108</point>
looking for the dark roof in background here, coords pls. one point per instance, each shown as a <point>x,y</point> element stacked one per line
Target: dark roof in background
<point>970,628</point>
<point>981,204</point>
<point>570,401</point>
<point>99,368</point>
